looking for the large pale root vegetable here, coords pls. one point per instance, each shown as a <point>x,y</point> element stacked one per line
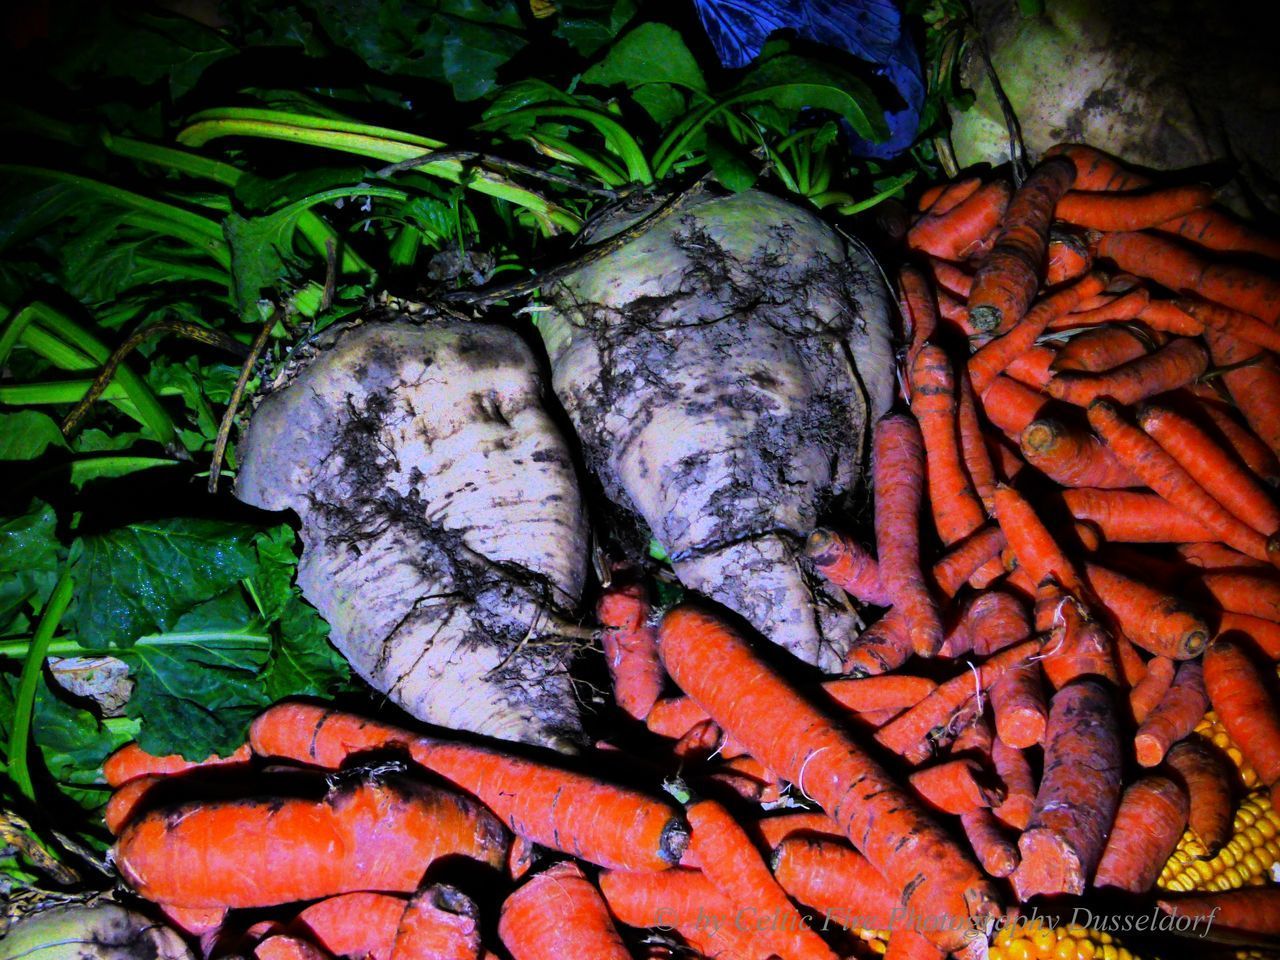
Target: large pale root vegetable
<point>84,931</point>
<point>444,534</point>
<point>720,369</point>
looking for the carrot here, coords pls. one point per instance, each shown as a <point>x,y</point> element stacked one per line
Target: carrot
<point>898,468</point>
<point>891,692</point>
<point>1159,471</point>
<point>1072,456</point>
<point>699,742</point>
<point>1214,556</point>
<point>944,197</point>
<point>951,277</point>
<point>521,858</point>
<point>1017,701</point>
<point>1173,266</point>
<point>1010,274</point>
<point>832,877</point>
<point>992,359</point>
<point>1253,594</point>
<point>1147,828</point>
<point>195,921</point>
<point>630,647</point>
<point>281,947</point>
<point>995,851</point>
<point>848,565</point>
<point>1206,774</point>
<point>1032,367</point>
<point>1265,634</point>
<point>919,308</point>
<point>559,913</point>
<point>131,761</point>
<point>1102,348</point>
<point>441,923</point>
<point>748,778</point>
<point>1254,385</point>
<point>1127,306</point>
<point>1067,257</point>
<point>1166,317</point>
<point>1218,230</point>
<point>1157,622</point>
<point>353,924</point>
<point>1240,694</point>
<point>956,786</point>
<point>547,803</point>
<point>1232,322</point>
<point>1211,466</point>
<point>1145,695</point>
<point>1079,646</point>
<point>1128,516</point>
<point>1078,793</point>
<point>1246,445</point>
<point>954,316</point>
<point>1011,406</point>
<point>256,853</point>
<point>732,863</point>
<point>1096,170</point>
<point>973,445</point>
<point>128,799</point>
<point>1132,211</point>
<point>771,831</point>
<point>1020,788</point>
<point>1248,910</point>
<point>1031,542</point>
<point>995,620</point>
<point>1176,715</point>
<point>686,901</point>
<point>936,718</point>
<point>963,229</point>
<point>907,944</point>
<point>719,670</point>
<point>1174,365</point>
<point>673,717</point>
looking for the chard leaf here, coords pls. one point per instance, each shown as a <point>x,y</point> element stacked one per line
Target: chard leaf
<point>29,552</point>
<point>662,101</point>
<point>27,434</point>
<point>588,25</point>
<point>651,53</point>
<point>792,82</point>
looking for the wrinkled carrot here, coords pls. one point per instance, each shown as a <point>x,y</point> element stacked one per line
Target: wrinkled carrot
<point>1175,716</point>
<point>1102,348</point>
<point>963,229</point>
<point>1174,365</point>
<point>973,445</point>
<point>732,863</point>
<point>1132,210</point>
<point>1216,229</point>
<point>1171,265</point>
<point>366,835</point>
<point>1033,367</point>
<point>1073,456</point>
<point>1241,696</point>
<point>898,469</point>
<point>442,923</point>
<point>770,831</point>
<point>1011,405</point>
<point>944,197</point>
<point>718,669</point>
<point>954,316</point>
<point>282,947</point>
<point>1127,306</point>
<point>1017,701</point>
<point>832,877</point>
<point>1166,317</point>
<point>1248,910</point>
<point>698,742</point>
<point>1233,322</point>
<point>1096,170</point>
<point>673,717</point>
<point>848,565</point>
<point>1263,634</point>
<point>748,778</point>
<point>1067,257</point>
<point>559,913</point>
<point>1079,646</point>
<point>352,924</point>
<point>1215,556</point>
<point>891,692</point>
<point>1159,471</point>
<point>956,786</point>
<point>1156,621</point>
<point>919,307</point>
<point>630,647</point>
<point>1147,828</point>
<point>1207,775</point>
<point>1078,793</point>
<point>1254,384</point>
<point>1129,516</point>
<point>951,277</point>
<point>995,620</point>
<point>995,851</point>
<point>1146,694</point>
<point>1031,542</point>
<point>1252,594</point>
<point>543,801</point>
<point>1246,445</point>
<point>132,761</point>
<point>1020,787</point>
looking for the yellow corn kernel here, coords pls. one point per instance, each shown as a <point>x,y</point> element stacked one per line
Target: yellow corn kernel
<point>1045,940</point>
<point>1021,949</point>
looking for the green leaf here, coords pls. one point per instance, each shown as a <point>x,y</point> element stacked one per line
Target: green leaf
<point>662,101</point>
<point>524,93</point>
<point>792,82</point>
<point>142,578</point>
<point>732,167</point>
<point>73,740</point>
<point>588,25</point>
<point>27,434</point>
<point>651,53</point>
<point>29,554</point>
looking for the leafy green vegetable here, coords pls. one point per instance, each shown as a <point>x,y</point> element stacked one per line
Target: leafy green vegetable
<point>27,434</point>
<point>29,556</point>
<point>651,53</point>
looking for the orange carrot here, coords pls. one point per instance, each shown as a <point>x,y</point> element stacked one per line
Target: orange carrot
<point>281,947</point>
<point>195,921</point>
<point>1232,322</point>
<point>1079,646</point>
<point>1253,594</point>
<point>1241,696</point>
<point>1010,274</point>
<point>1017,701</point>
<point>1072,456</point>
<point>1254,385</point>
<point>1264,634</point>
<point>919,308</point>
<point>521,858</point>
<point>1147,828</point>
<point>1078,793</point>
<point>1175,716</point>
<point>748,778</point>
<point>1206,774</point>
<point>1214,556</point>
<point>1159,623</point>
<point>943,197</point>
<point>1102,348</point>
<point>1067,257</point>
<point>1159,471</point>
<point>1011,406</point>
<point>1166,317</point>
<point>832,877</point>
<point>1020,787</point>
<point>1174,365</point>
<point>1255,454</point>
<point>1212,467</point>
<point>352,925</point>
<point>440,923</point>
<point>719,670</point>
<point>953,315</point>
<point>732,863</point>
<point>543,801</point>
<point>973,445</point>
<point>995,620</point>
<point>905,943</point>
<point>1096,170</point>
<point>1145,695</point>
<point>898,467</point>
<point>1032,368</point>
<point>367,835</point>
<point>630,647</point>
<point>1174,266</point>
<point>1127,516</point>
<point>1132,211</point>
<point>951,277</point>
<point>993,358</point>
<point>1031,542</point>
<point>892,692</point>
<point>128,800</point>
<point>956,786</point>
<point>1249,910</point>
<point>963,229</point>
<point>699,742</point>
<point>132,761</point>
<point>848,565</point>
<point>559,913</point>
<point>1217,230</point>
<point>673,717</point>
<point>1127,306</point>
<point>995,851</point>
<point>771,831</point>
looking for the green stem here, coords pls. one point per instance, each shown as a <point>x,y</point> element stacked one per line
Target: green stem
<point>66,647</point>
<point>614,133</point>
<point>848,209</point>
<point>24,704</point>
<point>604,170</point>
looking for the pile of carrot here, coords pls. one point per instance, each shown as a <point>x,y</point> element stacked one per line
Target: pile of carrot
<point>1076,542</point>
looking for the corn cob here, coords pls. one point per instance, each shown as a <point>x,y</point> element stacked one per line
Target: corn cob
<point>1246,860</point>
<point>1211,728</point>
<point>1038,941</point>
